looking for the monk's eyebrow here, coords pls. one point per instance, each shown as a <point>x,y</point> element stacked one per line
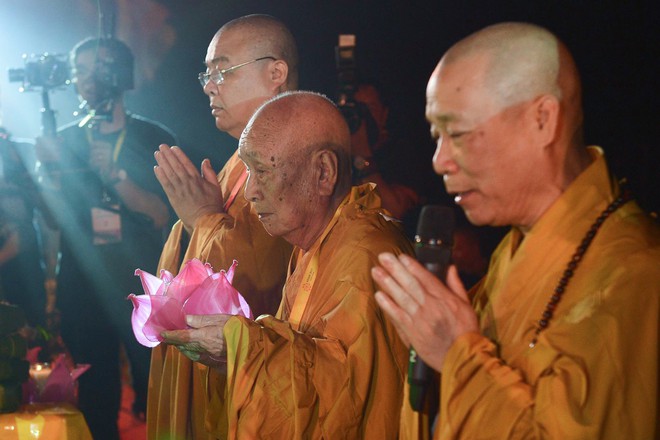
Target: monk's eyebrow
<point>249,155</point>
<point>446,118</point>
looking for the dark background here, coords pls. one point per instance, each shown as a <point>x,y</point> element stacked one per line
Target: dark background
<point>615,43</point>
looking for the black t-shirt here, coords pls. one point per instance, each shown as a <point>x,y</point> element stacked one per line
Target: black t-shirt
<point>91,271</point>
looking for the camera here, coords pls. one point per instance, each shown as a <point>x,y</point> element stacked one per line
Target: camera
<point>110,79</point>
<point>347,81</point>
<point>47,71</point>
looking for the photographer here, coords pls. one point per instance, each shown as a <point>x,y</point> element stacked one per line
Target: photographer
<point>375,152</point>
<point>101,191</point>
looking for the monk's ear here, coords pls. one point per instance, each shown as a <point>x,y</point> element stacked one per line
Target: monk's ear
<point>279,72</point>
<point>327,165</point>
<point>545,119</point>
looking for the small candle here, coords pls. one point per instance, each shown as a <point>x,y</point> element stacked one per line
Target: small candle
<point>39,374</point>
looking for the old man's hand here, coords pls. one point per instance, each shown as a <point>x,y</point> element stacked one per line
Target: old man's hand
<point>427,314</point>
<point>192,194</point>
<point>204,342</point>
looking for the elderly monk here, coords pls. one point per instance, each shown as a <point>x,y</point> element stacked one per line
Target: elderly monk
<point>561,338</point>
<point>249,60</point>
<point>329,365</point>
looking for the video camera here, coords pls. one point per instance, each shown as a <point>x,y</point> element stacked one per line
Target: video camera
<point>347,81</point>
<point>43,73</point>
<point>355,112</point>
<point>46,71</point>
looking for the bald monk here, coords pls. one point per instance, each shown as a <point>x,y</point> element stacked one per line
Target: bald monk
<point>560,340</point>
<point>249,60</point>
<point>328,365</point>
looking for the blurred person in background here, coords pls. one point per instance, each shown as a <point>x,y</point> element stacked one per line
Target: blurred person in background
<point>21,271</point>
<point>379,157</point>
<point>112,215</point>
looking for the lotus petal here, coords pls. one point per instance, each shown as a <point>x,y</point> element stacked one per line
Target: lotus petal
<point>192,275</point>
<point>230,272</point>
<point>139,318</point>
<point>151,284</point>
<point>59,385</point>
<point>215,295</point>
<point>245,307</point>
<point>78,370</point>
<point>166,314</point>
<point>166,276</point>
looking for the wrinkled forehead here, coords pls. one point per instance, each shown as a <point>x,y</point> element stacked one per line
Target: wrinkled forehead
<point>263,142</point>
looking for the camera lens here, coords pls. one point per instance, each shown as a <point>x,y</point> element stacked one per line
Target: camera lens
<point>46,70</point>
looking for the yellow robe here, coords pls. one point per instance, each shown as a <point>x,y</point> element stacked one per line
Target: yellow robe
<point>178,388</point>
<point>593,373</point>
<point>338,373</point>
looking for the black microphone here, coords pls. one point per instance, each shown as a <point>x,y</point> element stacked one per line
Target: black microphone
<point>433,243</point>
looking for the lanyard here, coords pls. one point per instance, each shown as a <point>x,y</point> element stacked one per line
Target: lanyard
<point>234,191</point>
<point>309,275</point>
<point>118,144</point>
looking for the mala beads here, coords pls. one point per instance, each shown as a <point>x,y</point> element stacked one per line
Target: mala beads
<point>575,260</point>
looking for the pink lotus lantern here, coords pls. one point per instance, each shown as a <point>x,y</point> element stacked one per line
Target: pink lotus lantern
<point>196,290</point>
<point>52,383</point>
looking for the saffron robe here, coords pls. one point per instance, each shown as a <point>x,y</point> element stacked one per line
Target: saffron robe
<point>593,373</point>
<point>178,388</point>
<point>336,370</point>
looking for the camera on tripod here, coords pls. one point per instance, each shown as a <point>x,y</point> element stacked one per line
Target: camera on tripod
<point>46,71</point>
<point>347,81</point>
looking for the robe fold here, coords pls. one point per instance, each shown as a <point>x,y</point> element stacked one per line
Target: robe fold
<point>178,388</point>
<point>336,372</point>
<point>593,373</point>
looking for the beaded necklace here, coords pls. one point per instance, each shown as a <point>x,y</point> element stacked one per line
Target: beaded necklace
<point>546,316</point>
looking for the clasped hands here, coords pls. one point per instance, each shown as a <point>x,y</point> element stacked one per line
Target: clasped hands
<point>204,342</point>
<point>192,194</point>
<point>428,314</point>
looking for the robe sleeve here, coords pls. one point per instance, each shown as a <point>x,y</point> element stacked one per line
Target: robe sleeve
<point>592,375</point>
<point>287,384</point>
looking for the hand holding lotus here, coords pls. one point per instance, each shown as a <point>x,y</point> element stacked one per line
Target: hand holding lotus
<point>204,342</point>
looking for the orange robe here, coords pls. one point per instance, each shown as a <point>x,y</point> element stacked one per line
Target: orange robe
<point>332,366</point>
<point>178,388</point>
<point>593,373</point>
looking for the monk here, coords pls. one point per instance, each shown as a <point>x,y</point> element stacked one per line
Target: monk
<point>249,60</point>
<point>560,339</point>
<point>328,365</point>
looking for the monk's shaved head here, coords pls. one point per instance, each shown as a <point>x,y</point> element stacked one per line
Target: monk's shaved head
<point>311,121</point>
<point>267,36</point>
<point>505,107</point>
<point>296,147</point>
<point>525,61</point>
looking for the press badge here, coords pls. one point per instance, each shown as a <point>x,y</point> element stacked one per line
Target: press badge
<point>106,225</point>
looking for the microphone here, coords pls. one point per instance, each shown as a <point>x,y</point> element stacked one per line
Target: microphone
<point>433,243</point>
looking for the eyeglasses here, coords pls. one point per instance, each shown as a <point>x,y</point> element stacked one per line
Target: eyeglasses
<point>218,77</point>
